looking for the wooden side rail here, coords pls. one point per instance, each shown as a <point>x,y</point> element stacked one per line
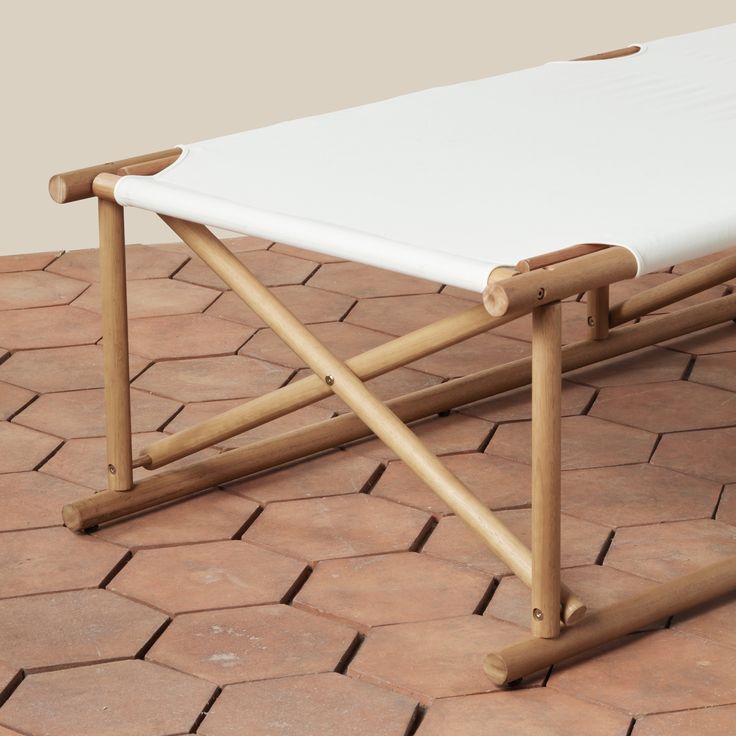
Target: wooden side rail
<point>71,186</point>
<point>520,294</point>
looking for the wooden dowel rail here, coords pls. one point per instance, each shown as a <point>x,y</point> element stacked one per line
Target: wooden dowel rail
<point>72,186</point>
<point>558,256</point>
<point>658,602</point>
<point>520,294</point>
<point>262,454</point>
<point>672,291</point>
<point>598,312</point>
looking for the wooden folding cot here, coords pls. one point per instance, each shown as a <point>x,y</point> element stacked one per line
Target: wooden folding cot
<point>530,187</point>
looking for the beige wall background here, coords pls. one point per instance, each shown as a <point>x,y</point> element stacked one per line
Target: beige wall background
<point>85,82</point>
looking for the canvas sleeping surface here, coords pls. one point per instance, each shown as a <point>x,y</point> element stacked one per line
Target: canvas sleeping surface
<point>450,182</point>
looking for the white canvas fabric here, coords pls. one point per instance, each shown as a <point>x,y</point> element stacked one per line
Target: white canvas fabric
<point>448,183</point>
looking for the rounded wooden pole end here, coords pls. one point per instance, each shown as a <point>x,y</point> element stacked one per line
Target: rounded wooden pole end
<point>573,611</point>
<point>496,669</point>
<point>496,300</point>
<point>103,186</point>
<point>58,189</point>
<point>72,517</point>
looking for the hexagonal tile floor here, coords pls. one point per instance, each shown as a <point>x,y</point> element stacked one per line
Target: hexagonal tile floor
<point>337,595</point>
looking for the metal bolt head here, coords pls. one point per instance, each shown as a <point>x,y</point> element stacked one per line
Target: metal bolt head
<point>538,615</point>
<point>111,469</point>
<point>329,380</point>
<point>591,321</point>
<point>540,294</point>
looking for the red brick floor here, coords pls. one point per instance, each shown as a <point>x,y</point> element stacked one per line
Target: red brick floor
<point>338,595</point>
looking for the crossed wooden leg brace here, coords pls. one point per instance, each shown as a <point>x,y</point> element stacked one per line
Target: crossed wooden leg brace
<point>538,291</point>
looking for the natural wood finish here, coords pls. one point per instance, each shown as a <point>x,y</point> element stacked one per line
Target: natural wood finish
<point>378,417</point>
<point>148,168</point>
<point>115,346</point>
<point>558,256</point>
<point>615,54</point>
<point>669,292</point>
<point>501,272</point>
<point>520,294</point>
<point>598,318</point>
<point>103,186</point>
<point>71,186</point>
<point>367,365</point>
<point>618,619</point>
<point>260,455</point>
<point>546,468</point>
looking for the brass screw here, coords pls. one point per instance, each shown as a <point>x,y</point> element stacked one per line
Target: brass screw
<point>540,294</point>
<point>538,615</point>
<point>111,469</point>
<point>329,380</point>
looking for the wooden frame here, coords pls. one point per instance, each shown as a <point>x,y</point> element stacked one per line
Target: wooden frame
<point>536,285</point>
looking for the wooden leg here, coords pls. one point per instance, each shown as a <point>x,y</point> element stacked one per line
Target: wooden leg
<point>598,318</point>
<point>546,468</point>
<point>115,346</point>
<point>618,619</point>
<point>299,443</point>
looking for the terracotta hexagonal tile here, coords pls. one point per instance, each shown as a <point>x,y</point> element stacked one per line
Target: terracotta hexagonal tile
<point>84,461</point>
<point>599,586</point>
<point>648,365</point>
<point>363,281</point>
<point>693,673</point>
<point>330,474</point>
<point>664,551</point>
<point>200,411</point>
<point>308,255</point>
<point>515,405</point>
<point>337,526</point>
<point>706,453</point>
<point>113,699</point>
<point>207,517</point>
<point>271,269</point>
<point>666,407</point>
<point>49,560</point>
<point>582,542</point>
<point>12,399</point>
<point>204,576</point>
<point>308,304</point>
<point>688,266</point>
<point>23,448</point>
<point>475,354</point>
<point>61,369</point>
<point>141,262</point>
<point>713,620</point>
<point>207,379</point>
<point>82,413</point>
<point>34,499</point>
<point>77,627</point>
<point>395,588</point>
<point>717,339</point>
<point>37,289</point>
<point>401,314</point>
<point>28,261</point>
<point>256,643</point>
<point>533,711</point>
<point>472,296</point>
<point>716,370</point>
<point>154,297</point>
<point>396,383</point>
<point>587,442</point>
<point>498,483</point>
<point>574,325</point>
<point>343,339</point>
<point>239,244</point>
<point>185,336</point>
<point>727,506</point>
<point>442,435</point>
<point>49,327</point>
<point>10,676</point>
<point>433,659</point>
<point>326,704</point>
<point>629,495</point>
<point>703,721</point>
